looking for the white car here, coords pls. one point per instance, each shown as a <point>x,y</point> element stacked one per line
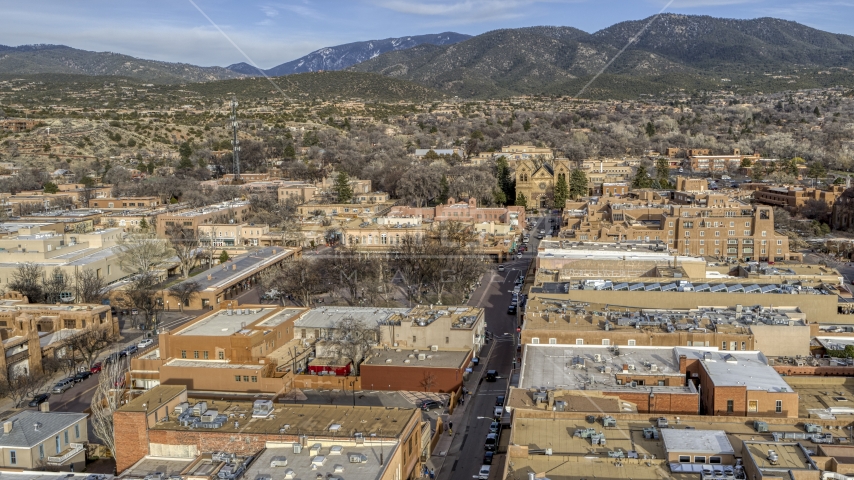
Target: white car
<point>145,343</point>
<point>483,474</point>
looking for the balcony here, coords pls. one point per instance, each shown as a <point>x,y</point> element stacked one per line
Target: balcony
<point>67,454</point>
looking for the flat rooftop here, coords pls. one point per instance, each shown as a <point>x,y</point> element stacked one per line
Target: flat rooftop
<point>336,463</point>
<point>409,358</point>
<point>790,456</point>
<point>236,268</point>
<point>312,420</point>
<point>575,367</point>
<point>696,441</point>
<point>166,466</point>
<point>211,209</point>
<point>225,322</point>
<point>327,317</point>
<point>551,249</point>
<point>543,313</point>
<point>576,401</point>
<point>746,369</point>
<point>731,286</point>
<point>163,393</point>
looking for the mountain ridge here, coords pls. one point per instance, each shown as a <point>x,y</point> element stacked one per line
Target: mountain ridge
<point>339,57</point>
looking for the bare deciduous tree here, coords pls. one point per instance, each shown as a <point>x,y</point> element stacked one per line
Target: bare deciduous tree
<point>26,279</point>
<point>428,381</point>
<point>91,341</point>
<point>301,277</point>
<point>89,287</point>
<point>185,244</point>
<point>18,386</point>
<point>185,292</point>
<point>142,253</point>
<point>107,399</point>
<point>352,339</point>
<point>55,284</point>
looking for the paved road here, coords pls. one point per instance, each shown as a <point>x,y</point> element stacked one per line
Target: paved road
<point>465,456</point>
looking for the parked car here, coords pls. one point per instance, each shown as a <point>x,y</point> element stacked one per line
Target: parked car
<point>96,368</point>
<point>82,376</point>
<point>491,443</point>
<point>428,405</point>
<point>497,412</point>
<point>487,458</point>
<point>145,343</point>
<point>63,385</point>
<point>499,401</point>
<point>500,268</point>
<point>494,427</point>
<point>39,399</point>
<point>483,474</point>
<point>131,349</point>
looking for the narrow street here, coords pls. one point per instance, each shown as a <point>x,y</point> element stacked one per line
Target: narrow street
<point>463,456</point>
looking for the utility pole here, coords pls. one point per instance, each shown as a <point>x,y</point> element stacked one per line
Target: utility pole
<point>235,143</point>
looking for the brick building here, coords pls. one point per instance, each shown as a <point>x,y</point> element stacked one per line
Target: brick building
<point>415,370</point>
<point>738,384</point>
<point>143,430</point>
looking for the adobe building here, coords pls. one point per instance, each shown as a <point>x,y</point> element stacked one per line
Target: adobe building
<point>230,279</point>
<point>33,332</point>
<point>232,349</point>
<point>192,427</point>
<point>211,214</point>
<point>775,331</point>
<point>793,198</point>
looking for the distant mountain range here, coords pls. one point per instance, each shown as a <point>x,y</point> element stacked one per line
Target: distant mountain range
<point>675,51</point>
<point>42,59</point>
<point>343,56</point>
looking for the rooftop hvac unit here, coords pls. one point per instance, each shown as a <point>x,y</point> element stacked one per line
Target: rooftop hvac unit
<point>182,407</point>
<point>434,348</point>
<point>597,357</point>
<point>278,461</point>
<point>297,448</point>
<point>209,415</point>
<point>653,368</point>
<point>200,408</point>
<point>422,356</point>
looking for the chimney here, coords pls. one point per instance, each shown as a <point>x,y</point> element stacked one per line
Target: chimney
<point>234,266</point>
<point>625,368</point>
<point>7,427</point>
<point>44,407</point>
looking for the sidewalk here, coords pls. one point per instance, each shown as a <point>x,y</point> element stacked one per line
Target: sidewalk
<point>448,446</point>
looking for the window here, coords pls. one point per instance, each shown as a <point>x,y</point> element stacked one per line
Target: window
<point>684,459</point>
<point>723,345</point>
<point>752,406</point>
<point>746,224</point>
<point>58,447</point>
<point>535,341</point>
<point>552,341</point>
<point>779,242</point>
<point>743,345</point>
<point>729,406</point>
<point>246,378</point>
<point>183,354</point>
<point>414,339</point>
<point>731,233</point>
<point>65,436</point>
<point>77,431</point>
<point>731,224</point>
<point>699,459</point>
<point>717,234</point>
<point>447,339</point>
<point>237,378</point>
<point>747,233</point>
<point>579,341</point>
<point>205,354</point>
<point>254,379</point>
<point>632,343</point>
<point>715,460</point>
<point>779,407</point>
<point>41,451</point>
<point>195,354</point>
<point>220,355</point>
<point>13,457</point>
<point>702,233</point>
<point>606,341</point>
<point>764,233</point>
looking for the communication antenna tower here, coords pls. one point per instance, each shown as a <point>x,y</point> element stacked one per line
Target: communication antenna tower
<point>235,143</point>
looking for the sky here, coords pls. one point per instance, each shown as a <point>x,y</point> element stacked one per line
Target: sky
<point>268,33</point>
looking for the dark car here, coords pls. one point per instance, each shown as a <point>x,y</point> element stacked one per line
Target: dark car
<point>491,443</point>
<point>428,405</point>
<point>82,376</point>
<point>511,310</point>
<point>39,399</point>
<point>487,458</point>
<point>491,375</point>
<point>499,401</point>
<point>131,349</point>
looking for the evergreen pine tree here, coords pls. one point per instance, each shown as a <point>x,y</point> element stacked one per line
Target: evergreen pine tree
<point>444,190</point>
<point>522,201</point>
<point>641,179</point>
<point>577,184</point>
<point>561,192</point>
<point>342,188</point>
